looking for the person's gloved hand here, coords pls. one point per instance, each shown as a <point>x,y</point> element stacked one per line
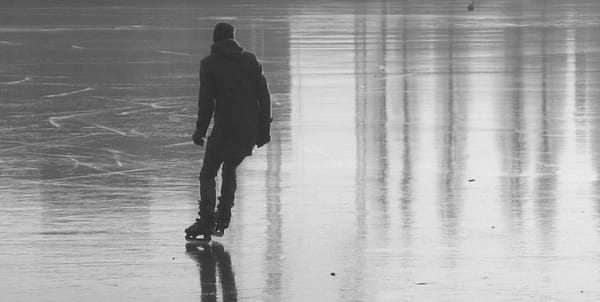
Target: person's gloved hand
<point>198,140</point>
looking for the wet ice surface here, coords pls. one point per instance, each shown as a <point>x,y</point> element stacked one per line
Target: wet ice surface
<point>420,153</point>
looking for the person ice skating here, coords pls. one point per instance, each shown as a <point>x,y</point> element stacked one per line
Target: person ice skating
<point>234,89</point>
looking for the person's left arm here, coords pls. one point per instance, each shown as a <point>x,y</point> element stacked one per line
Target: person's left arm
<point>264,109</point>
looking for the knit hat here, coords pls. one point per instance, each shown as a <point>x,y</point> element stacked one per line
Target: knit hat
<point>223,31</point>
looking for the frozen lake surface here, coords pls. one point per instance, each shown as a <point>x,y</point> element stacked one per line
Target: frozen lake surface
<point>420,152</point>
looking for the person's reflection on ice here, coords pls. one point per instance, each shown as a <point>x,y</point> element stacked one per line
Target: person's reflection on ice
<point>212,259</point>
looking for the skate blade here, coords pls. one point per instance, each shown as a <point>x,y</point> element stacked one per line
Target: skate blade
<point>201,240</point>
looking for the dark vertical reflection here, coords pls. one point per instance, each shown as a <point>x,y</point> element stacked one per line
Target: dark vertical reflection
<point>269,38</point>
<point>275,48</point>
<point>595,146</point>
<point>215,268</point>
<point>371,115</point>
<point>362,182</point>
<point>514,140</point>
<point>592,94</point>
<point>382,135</point>
<point>280,88</point>
<point>581,90</point>
<point>361,156</point>
<point>547,150</point>
<point>407,136</point>
<point>370,42</point>
<point>451,146</point>
<point>273,249</point>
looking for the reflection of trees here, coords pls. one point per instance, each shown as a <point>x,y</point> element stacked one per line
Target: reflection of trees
<point>547,152</point>
<point>273,249</point>
<point>591,80</point>
<point>269,38</point>
<point>595,149</point>
<point>407,135</point>
<point>271,42</point>
<point>371,111</point>
<point>515,157</point>
<point>370,42</point>
<point>452,145</point>
<point>214,261</point>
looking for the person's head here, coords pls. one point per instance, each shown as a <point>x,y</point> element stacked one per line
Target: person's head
<point>223,31</point>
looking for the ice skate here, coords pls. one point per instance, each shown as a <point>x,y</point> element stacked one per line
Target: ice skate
<point>203,227</point>
<point>223,215</point>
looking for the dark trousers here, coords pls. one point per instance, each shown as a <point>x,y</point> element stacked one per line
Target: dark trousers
<point>208,196</point>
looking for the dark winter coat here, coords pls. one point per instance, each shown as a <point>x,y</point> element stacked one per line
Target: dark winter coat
<point>234,89</point>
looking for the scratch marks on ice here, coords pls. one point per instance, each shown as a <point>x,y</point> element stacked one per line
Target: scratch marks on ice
<point>117,156</point>
<point>26,79</point>
<point>102,174</point>
<point>176,53</point>
<point>111,129</point>
<point>68,93</point>
<point>10,43</point>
